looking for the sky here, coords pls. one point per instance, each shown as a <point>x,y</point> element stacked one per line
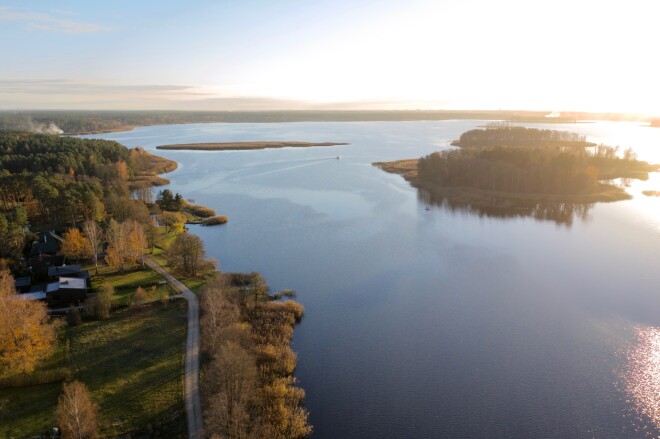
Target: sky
<point>560,55</point>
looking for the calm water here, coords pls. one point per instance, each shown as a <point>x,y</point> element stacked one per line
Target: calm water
<point>438,323</point>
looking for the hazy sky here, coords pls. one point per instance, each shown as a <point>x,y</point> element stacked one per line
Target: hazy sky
<point>512,54</point>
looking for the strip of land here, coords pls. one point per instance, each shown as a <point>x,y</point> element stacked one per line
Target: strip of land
<point>191,377</point>
<point>238,146</point>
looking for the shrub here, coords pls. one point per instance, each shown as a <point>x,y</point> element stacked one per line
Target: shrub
<point>140,297</point>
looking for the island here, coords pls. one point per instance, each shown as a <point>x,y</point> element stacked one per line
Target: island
<point>510,167</point>
<point>240,146</point>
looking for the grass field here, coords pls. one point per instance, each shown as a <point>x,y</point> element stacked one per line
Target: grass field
<point>125,284</point>
<point>133,365</point>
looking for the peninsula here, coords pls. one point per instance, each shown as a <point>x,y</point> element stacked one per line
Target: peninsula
<point>240,146</point>
<point>527,165</point>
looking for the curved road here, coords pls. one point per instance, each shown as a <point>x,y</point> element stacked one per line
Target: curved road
<point>191,375</point>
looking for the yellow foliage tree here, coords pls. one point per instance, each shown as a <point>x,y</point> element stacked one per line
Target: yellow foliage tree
<point>76,245</point>
<point>27,336</point>
<point>76,412</point>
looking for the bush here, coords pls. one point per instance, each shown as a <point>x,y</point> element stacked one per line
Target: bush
<point>140,297</point>
<point>214,221</point>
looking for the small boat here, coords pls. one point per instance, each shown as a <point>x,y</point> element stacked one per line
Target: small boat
<point>338,157</point>
<point>428,208</point>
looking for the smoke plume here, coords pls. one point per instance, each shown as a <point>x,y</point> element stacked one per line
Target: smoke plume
<point>42,128</point>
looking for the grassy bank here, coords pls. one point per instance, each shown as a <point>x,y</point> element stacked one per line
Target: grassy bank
<point>132,364</point>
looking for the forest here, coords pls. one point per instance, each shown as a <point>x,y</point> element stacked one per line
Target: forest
<point>528,170</point>
<point>64,181</point>
<point>517,136</point>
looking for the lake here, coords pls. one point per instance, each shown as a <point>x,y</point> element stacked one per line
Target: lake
<point>441,322</point>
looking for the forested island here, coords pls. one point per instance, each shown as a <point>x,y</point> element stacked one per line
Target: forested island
<point>503,166</point>
<point>239,146</point>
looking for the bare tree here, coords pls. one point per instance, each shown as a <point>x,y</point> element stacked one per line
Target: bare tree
<point>233,377</point>
<point>76,412</point>
<point>94,234</point>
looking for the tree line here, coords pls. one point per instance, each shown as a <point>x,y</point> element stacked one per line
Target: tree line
<point>248,389</point>
<point>516,137</point>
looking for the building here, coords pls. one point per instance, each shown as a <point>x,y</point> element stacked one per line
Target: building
<point>55,273</point>
<point>66,291</point>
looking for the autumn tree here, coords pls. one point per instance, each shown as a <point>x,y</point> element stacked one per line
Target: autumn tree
<point>233,377</point>
<point>27,335</point>
<point>126,244</point>
<point>151,232</point>
<point>186,254</point>
<point>117,252</point>
<point>76,245</point>
<point>94,235</point>
<point>173,222</point>
<point>76,412</point>
<point>137,241</point>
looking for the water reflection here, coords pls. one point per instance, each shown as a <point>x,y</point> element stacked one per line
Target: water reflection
<point>558,212</point>
<point>641,378</point>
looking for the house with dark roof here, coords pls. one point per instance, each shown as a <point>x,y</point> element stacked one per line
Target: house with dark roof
<point>67,291</point>
<point>45,245</point>
<point>55,273</point>
<point>59,294</point>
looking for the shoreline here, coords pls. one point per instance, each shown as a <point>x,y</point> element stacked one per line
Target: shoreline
<point>243,146</point>
<point>407,168</point>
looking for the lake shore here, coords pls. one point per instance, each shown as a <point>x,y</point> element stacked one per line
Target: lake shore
<point>240,146</point>
<point>408,170</point>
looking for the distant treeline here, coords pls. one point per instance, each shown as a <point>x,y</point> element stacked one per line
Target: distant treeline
<point>515,137</point>
<point>77,122</point>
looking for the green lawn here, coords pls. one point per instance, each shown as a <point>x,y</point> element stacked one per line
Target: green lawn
<point>194,283</point>
<point>133,365</point>
<point>125,284</point>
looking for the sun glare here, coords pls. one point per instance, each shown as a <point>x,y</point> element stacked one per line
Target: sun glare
<point>642,375</point>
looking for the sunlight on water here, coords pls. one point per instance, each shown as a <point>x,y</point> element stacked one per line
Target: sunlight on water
<point>641,378</point>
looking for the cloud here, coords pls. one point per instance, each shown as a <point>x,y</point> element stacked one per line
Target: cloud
<point>76,94</point>
<point>43,22</point>
<point>64,87</point>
